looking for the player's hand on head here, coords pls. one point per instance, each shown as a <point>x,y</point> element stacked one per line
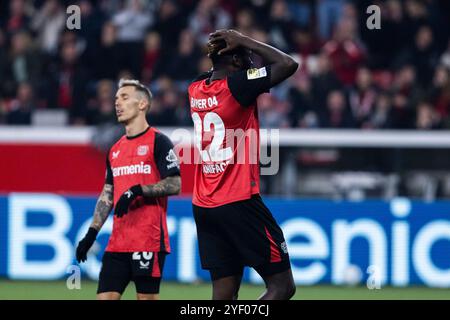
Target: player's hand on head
<point>85,244</point>
<point>232,38</point>
<point>126,199</point>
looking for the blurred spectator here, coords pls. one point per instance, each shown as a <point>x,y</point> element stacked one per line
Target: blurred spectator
<point>427,118</point>
<point>22,107</point>
<point>396,31</point>
<point>3,44</point>
<point>324,80</point>
<point>183,64</point>
<point>445,58</point>
<point>359,78</point>
<point>3,62</point>
<point>151,66</point>
<point>401,115</point>
<point>173,111</point>
<point>380,117</point>
<point>301,98</point>
<point>208,17</point>
<point>406,84</point>
<point>301,12</point>
<point>245,22</point>
<point>100,110</point>
<point>68,83</point>
<point>48,22</point>
<point>132,23</point>
<point>169,23</point>
<point>304,42</point>
<point>345,51</point>
<point>280,25</point>
<point>18,17</point>
<point>422,55</point>
<point>309,120</point>
<point>384,43</point>
<point>161,113</point>
<point>440,91</point>
<point>336,113</point>
<point>110,7</point>
<point>328,14</point>
<point>24,61</point>
<point>272,113</point>
<point>362,97</point>
<point>92,21</point>
<point>107,56</point>
<point>416,16</point>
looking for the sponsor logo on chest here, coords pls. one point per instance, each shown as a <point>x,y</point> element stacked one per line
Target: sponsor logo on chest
<point>140,168</point>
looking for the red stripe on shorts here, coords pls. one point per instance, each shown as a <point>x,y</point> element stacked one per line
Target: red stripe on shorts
<point>274,252</point>
<point>155,270</point>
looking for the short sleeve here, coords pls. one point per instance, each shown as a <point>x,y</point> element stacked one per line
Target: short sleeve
<point>165,157</point>
<point>247,85</point>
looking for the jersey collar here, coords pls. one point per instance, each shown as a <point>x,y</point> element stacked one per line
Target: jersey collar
<point>139,134</point>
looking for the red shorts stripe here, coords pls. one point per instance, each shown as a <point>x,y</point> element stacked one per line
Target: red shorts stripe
<point>156,272</point>
<point>274,252</point>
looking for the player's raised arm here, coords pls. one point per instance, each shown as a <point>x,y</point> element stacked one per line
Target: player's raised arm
<point>282,64</point>
<point>101,212</point>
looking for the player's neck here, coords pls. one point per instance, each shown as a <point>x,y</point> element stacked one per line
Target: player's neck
<point>221,73</point>
<point>136,127</point>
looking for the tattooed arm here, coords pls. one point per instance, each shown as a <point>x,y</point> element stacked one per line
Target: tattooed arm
<point>103,207</point>
<point>101,212</point>
<point>166,187</point>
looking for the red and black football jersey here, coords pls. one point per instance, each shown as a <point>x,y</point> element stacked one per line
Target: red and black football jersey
<point>143,159</point>
<point>226,125</point>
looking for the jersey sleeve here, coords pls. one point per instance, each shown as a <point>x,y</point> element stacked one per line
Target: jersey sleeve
<point>165,157</point>
<point>109,174</point>
<point>247,85</point>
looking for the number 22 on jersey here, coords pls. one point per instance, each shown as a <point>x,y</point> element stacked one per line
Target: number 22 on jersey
<point>215,152</point>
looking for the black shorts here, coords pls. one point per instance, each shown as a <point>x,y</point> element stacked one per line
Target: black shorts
<point>143,268</point>
<point>238,234</point>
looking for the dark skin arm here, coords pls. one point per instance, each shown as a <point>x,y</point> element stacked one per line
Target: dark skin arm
<point>103,207</point>
<point>282,64</point>
<point>166,187</point>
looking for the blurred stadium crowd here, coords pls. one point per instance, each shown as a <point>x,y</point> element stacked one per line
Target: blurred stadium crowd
<point>350,76</point>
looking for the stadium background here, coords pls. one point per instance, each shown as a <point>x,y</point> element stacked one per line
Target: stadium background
<point>363,175</point>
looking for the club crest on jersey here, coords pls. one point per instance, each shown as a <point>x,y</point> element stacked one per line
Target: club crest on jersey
<point>142,150</point>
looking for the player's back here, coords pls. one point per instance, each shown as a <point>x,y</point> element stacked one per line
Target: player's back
<point>227,138</point>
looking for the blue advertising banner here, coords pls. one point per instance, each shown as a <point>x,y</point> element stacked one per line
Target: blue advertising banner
<point>397,243</point>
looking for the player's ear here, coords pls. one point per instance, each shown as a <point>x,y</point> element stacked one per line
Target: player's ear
<point>236,61</point>
<point>143,105</point>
